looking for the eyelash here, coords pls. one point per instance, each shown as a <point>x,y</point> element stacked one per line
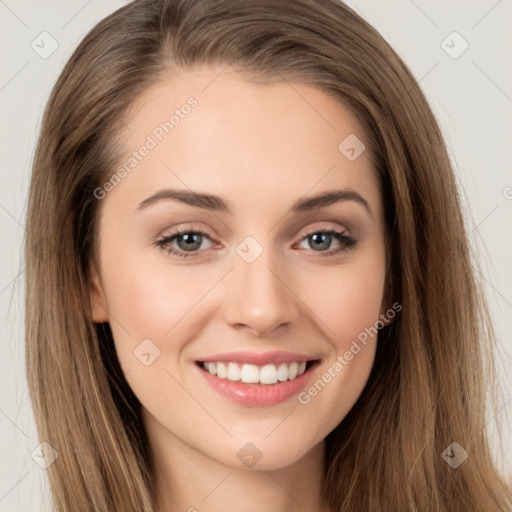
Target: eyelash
<point>347,242</point>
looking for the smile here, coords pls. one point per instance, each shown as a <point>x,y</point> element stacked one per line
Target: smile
<point>253,374</point>
<point>253,380</point>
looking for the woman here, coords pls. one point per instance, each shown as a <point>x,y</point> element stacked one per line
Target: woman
<point>258,290</point>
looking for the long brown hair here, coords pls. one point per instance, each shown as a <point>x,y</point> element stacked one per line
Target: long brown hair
<point>433,365</point>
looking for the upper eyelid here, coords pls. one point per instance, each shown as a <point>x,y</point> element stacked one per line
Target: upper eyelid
<point>326,224</point>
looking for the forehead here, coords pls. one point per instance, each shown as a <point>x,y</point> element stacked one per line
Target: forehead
<point>211,129</point>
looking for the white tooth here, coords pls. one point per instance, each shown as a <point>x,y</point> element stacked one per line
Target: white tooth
<point>268,374</point>
<point>282,372</point>
<point>205,366</point>
<point>250,374</point>
<point>221,371</point>
<point>233,372</point>
<point>292,371</point>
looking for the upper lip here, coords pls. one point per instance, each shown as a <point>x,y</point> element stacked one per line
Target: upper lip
<point>259,359</point>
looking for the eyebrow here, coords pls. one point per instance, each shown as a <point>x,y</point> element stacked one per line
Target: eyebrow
<point>215,203</point>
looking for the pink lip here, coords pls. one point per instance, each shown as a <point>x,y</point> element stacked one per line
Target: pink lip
<point>262,359</point>
<point>257,395</point>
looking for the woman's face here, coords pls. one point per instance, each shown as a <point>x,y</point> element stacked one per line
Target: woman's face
<point>273,278</point>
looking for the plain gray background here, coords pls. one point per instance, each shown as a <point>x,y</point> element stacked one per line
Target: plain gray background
<point>470,92</point>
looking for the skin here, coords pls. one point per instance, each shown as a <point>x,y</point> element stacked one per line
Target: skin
<point>261,147</point>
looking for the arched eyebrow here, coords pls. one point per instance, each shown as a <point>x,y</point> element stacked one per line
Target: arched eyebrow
<point>218,204</point>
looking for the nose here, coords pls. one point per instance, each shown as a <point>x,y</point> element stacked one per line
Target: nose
<point>260,297</point>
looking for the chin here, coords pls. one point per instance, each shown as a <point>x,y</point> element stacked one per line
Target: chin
<point>267,455</point>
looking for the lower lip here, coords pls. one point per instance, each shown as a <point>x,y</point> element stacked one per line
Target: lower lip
<point>258,395</point>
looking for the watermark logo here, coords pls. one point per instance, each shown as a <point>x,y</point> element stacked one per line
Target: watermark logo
<point>146,352</point>
<point>454,455</point>
<point>44,45</point>
<point>44,455</point>
<point>351,147</point>
<point>249,455</point>
<point>249,249</point>
<point>454,45</point>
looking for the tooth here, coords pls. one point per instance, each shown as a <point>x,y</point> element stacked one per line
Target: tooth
<point>233,372</point>
<point>250,374</point>
<point>221,371</point>
<point>282,372</point>
<point>268,374</point>
<point>253,374</point>
<point>292,371</point>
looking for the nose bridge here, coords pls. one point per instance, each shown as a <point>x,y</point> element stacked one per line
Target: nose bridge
<point>258,296</point>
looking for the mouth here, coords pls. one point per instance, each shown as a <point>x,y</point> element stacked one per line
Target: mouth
<point>247,373</point>
<point>256,384</point>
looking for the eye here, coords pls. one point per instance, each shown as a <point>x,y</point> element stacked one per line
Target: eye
<point>322,239</point>
<point>189,242</point>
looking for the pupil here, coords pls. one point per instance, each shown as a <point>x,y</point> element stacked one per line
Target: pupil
<point>316,236</point>
<point>191,239</point>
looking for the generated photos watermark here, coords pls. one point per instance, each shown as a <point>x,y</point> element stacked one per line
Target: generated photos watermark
<point>156,136</point>
<point>343,360</point>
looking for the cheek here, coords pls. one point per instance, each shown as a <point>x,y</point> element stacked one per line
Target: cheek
<point>347,301</point>
<point>154,302</point>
